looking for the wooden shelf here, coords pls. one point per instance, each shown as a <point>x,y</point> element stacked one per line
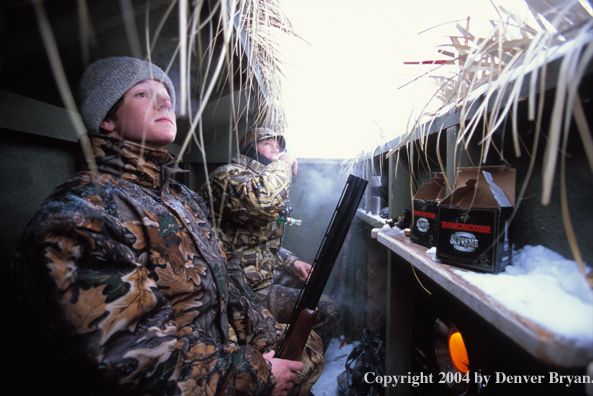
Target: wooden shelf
<point>549,347</point>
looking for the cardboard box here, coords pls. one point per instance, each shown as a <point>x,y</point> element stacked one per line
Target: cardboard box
<point>473,230</point>
<point>426,202</point>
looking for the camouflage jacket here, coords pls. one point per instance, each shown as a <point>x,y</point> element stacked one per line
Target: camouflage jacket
<point>247,198</point>
<point>126,278</point>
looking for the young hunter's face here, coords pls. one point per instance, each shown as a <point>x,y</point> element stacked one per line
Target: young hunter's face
<point>269,148</point>
<point>145,116</point>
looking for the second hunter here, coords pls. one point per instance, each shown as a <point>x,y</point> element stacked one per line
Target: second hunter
<point>249,198</point>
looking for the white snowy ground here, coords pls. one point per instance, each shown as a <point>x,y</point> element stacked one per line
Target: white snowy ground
<point>335,364</point>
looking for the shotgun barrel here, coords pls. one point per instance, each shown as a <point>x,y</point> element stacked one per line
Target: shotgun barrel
<point>305,311</point>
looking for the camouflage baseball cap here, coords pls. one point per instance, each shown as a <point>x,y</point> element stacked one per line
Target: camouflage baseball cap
<point>257,135</point>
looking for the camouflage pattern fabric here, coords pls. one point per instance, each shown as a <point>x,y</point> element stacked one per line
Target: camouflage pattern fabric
<point>280,301</point>
<point>312,358</point>
<point>247,198</point>
<point>127,290</point>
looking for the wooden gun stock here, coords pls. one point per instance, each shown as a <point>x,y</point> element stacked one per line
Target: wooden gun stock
<point>305,311</point>
<point>295,342</point>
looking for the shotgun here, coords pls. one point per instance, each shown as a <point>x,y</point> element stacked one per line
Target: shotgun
<point>305,311</point>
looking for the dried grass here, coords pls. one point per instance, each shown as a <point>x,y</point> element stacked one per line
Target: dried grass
<point>245,29</point>
<point>494,68</point>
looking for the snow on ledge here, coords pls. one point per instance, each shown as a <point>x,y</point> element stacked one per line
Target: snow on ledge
<point>544,287</point>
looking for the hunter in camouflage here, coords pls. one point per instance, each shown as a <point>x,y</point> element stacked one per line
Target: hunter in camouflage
<point>123,284</point>
<point>248,196</point>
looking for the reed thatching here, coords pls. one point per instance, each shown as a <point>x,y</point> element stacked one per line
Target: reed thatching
<point>221,46</point>
<point>242,40</point>
<point>493,68</point>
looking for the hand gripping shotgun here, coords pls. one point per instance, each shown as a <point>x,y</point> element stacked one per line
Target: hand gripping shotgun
<point>305,311</point>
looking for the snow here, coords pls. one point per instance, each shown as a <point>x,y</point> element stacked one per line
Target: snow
<point>540,285</point>
<point>544,287</point>
<point>375,217</point>
<point>335,364</point>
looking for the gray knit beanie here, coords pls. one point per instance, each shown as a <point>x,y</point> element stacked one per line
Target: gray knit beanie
<point>107,80</point>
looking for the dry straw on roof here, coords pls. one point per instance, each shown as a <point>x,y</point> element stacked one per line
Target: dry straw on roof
<point>494,69</point>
